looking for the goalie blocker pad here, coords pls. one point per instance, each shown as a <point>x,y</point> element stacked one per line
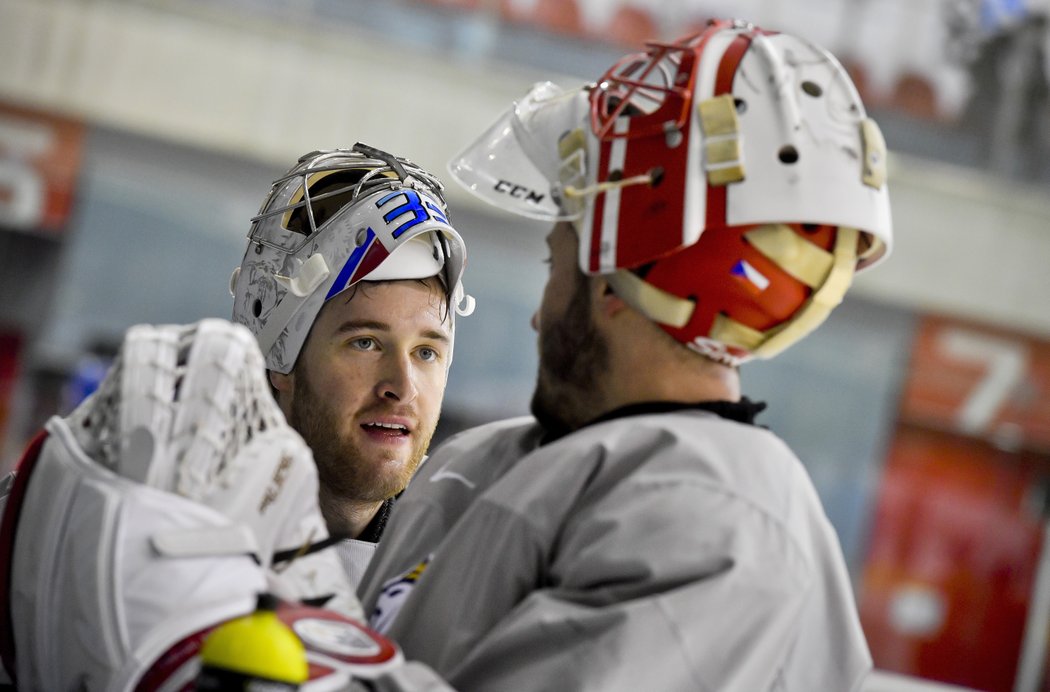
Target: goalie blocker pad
<point>91,599</point>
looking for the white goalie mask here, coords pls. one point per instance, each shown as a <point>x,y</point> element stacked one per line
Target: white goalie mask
<point>336,218</point>
<point>728,184</point>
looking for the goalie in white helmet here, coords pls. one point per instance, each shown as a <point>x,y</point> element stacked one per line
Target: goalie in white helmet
<point>163,506</point>
<point>711,199</point>
<point>175,495</point>
<point>351,282</point>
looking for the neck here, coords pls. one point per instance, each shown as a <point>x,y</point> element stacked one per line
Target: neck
<point>654,367</point>
<point>715,383</point>
<point>346,517</point>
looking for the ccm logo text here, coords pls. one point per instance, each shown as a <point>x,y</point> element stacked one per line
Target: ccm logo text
<point>518,191</point>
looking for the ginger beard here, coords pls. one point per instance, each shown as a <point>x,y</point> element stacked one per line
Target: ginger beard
<point>366,391</point>
<point>344,470</point>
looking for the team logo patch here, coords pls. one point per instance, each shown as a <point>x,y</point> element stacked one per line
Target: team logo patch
<point>393,596</point>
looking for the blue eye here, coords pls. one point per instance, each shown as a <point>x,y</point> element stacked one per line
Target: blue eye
<point>364,343</point>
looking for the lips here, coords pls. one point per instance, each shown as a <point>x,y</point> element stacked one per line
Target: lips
<point>387,427</point>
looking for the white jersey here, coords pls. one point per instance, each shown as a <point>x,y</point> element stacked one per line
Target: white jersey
<point>664,551</point>
<point>354,556</point>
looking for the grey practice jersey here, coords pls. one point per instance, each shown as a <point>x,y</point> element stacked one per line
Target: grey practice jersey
<point>670,551</point>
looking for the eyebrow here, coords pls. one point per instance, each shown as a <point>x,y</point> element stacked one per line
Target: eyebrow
<point>364,325</point>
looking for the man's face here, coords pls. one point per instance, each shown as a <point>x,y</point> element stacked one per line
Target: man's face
<point>368,384</point>
<point>573,354</point>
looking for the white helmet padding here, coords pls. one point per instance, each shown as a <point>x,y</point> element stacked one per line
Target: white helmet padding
<point>339,217</point>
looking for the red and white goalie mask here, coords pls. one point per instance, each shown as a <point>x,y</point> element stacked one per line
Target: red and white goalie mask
<point>727,184</point>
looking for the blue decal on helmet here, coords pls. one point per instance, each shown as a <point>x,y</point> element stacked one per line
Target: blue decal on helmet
<point>352,262</point>
<point>412,204</point>
<point>436,213</point>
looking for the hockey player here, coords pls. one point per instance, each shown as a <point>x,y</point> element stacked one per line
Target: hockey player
<point>171,499</point>
<point>639,532</point>
<point>350,283</point>
<point>711,199</point>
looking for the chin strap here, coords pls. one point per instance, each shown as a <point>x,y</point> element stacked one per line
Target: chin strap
<point>655,303</point>
<point>829,274</point>
<point>830,293</point>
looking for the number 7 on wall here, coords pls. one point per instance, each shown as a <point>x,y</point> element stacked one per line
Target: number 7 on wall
<point>1005,362</point>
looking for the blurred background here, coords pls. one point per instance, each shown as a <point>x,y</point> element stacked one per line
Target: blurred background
<point>137,137</point>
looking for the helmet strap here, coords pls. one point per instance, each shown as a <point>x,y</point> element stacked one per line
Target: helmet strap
<point>655,303</point>
<point>823,300</point>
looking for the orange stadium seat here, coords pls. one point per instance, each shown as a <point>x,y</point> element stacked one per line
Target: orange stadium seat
<point>631,26</point>
<point>561,16</point>
<point>914,95</point>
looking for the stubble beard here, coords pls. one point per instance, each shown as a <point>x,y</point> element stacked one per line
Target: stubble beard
<point>573,356</point>
<point>345,472</point>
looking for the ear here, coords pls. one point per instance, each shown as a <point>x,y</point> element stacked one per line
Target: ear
<point>607,302</point>
<point>280,382</point>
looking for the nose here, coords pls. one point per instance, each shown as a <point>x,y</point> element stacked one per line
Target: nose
<point>397,378</point>
<point>535,321</point>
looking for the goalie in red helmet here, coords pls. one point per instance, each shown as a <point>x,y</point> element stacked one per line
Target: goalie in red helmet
<point>711,200</point>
